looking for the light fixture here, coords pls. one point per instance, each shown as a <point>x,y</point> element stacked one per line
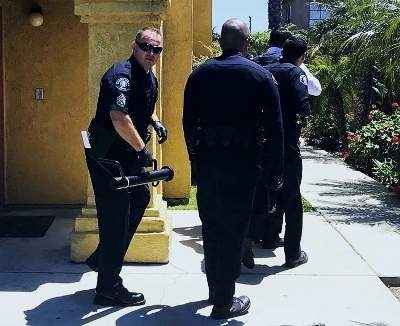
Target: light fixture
<point>36,16</point>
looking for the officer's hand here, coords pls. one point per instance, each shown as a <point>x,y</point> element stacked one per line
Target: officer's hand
<point>145,158</point>
<point>160,130</point>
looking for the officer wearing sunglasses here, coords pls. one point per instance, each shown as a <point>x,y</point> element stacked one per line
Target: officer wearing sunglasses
<point>119,131</point>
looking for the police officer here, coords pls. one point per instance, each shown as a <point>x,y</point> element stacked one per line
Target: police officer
<point>274,51</point>
<point>125,109</point>
<point>292,84</point>
<point>274,54</point>
<point>261,220</point>
<point>225,100</point>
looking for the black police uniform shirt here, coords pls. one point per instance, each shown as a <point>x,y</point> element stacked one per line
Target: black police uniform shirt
<point>128,88</point>
<point>267,59</point>
<point>233,93</point>
<point>293,91</point>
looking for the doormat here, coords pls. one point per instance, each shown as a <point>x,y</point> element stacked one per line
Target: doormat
<point>24,226</point>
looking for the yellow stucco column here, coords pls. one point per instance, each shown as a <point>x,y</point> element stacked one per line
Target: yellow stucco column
<point>177,65</point>
<point>202,26</point>
<point>111,28</point>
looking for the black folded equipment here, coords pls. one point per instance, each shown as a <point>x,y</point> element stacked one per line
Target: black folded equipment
<point>122,181</point>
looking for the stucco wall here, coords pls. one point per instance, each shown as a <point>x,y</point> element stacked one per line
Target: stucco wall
<point>177,63</point>
<point>202,29</point>
<point>44,161</point>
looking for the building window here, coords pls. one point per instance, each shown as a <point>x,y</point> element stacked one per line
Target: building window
<point>317,13</point>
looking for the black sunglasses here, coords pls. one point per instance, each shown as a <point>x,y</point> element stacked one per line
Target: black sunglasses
<point>148,47</point>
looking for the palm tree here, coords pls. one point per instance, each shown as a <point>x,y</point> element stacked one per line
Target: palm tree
<point>366,32</point>
<point>376,47</point>
<point>274,14</point>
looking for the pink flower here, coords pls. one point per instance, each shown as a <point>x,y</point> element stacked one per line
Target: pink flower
<point>374,106</point>
<point>396,139</point>
<point>357,138</point>
<point>346,155</point>
<point>395,105</point>
<point>369,117</point>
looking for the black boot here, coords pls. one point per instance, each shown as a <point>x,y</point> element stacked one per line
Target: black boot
<point>119,296</point>
<point>240,306</point>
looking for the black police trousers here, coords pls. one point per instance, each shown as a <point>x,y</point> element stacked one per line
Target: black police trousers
<point>289,204</point>
<point>224,185</point>
<point>119,214</point>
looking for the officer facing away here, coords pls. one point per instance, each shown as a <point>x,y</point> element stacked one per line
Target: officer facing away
<point>274,51</point>
<point>273,223</point>
<point>226,98</point>
<point>274,54</point>
<point>292,84</point>
<point>125,108</point>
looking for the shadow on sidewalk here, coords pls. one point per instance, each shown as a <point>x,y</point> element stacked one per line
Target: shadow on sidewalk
<point>364,202</point>
<point>194,237</point>
<point>72,310</point>
<point>255,276</point>
<point>77,310</point>
<point>180,315</point>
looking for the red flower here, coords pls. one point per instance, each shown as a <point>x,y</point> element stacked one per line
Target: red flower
<point>396,139</point>
<point>395,105</point>
<point>346,155</point>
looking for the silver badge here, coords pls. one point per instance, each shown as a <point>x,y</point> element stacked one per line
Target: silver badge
<point>121,100</point>
<point>122,84</point>
<point>304,80</point>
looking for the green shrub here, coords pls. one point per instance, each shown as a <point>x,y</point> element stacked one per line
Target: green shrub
<point>321,131</point>
<point>387,172</point>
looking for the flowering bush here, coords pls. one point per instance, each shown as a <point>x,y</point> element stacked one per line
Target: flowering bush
<point>375,149</point>
<point>388,173</point>
<point>321,131</point>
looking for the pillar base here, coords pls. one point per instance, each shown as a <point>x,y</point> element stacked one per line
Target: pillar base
<point>150,244</point>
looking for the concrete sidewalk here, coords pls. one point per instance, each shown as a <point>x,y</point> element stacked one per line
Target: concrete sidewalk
<point>339,286</point>
<point>365,214</point>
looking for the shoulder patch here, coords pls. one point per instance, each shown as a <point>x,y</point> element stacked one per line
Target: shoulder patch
<point>121,100</point>
<point>304,80</point>
<point>122,84</point>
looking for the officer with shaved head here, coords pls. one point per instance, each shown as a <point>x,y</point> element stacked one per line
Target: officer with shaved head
<point>227,100</point>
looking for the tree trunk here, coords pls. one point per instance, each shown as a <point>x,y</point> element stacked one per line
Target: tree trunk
<point>335,101</point>
<point>274,14</point>
<point>364,86</point>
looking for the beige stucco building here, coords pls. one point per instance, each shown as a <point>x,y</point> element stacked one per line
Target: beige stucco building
<point>41,160</point>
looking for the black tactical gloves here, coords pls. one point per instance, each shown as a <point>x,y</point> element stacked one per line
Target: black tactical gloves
<point>160,130</point>
<point>145,158</point>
